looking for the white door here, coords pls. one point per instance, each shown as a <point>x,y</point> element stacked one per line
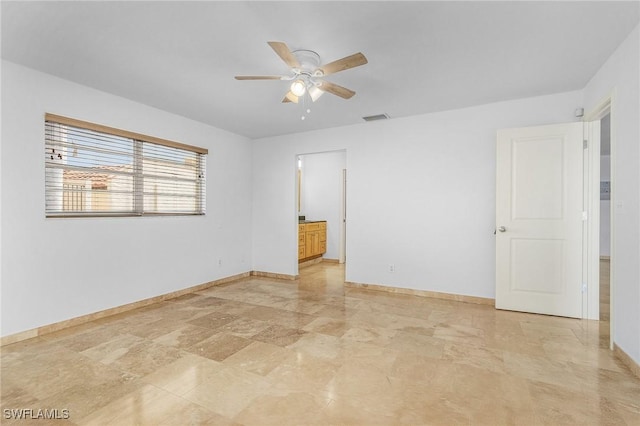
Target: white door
<point>539,193</point>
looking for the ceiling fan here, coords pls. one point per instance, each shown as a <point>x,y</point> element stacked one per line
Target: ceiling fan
<point>307,75</point>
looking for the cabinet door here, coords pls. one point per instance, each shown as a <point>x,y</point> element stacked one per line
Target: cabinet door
<point>313,243</point>
<point>301,241</point>
<point>322,235</point>
<point>316,244</point>
<point>308,251</point>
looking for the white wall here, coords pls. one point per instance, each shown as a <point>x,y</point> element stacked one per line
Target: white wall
<point>56,269</point>
<point>421,194</point>
<point>322,194</point>
<point>621,75</point>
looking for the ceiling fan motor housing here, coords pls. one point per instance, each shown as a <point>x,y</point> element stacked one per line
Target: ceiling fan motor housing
<point>309,62</point>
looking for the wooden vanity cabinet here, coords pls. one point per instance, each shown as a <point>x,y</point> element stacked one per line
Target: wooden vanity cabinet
<point>312,240</point>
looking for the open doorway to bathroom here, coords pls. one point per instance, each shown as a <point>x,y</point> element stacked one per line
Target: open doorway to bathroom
<point>605,218</point>
<point>600,269</point>
<point>321,203</point>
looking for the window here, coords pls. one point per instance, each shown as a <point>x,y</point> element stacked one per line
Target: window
<point>94,170</point>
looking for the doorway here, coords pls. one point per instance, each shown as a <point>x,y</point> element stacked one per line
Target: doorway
<point>321,196</point>
<point>605,218</point>
<point>600,127</point>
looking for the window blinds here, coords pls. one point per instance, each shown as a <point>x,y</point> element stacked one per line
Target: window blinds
<point>94,170</point>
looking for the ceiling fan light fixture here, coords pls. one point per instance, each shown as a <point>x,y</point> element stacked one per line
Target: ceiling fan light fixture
<point>298,87</point>
<point>315,93</point>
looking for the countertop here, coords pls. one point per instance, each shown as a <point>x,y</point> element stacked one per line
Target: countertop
<point>310,221</point>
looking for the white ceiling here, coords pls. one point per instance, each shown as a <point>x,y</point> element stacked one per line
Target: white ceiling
<point>423,56</point>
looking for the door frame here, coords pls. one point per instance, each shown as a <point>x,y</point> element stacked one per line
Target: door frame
<point>592,181</point>
<point>343,219</point>
<point>343,213</point>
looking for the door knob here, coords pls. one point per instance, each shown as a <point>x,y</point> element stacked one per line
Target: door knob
<point>502,229</point>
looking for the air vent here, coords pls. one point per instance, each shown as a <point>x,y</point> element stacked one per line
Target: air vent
<point>376,117</point>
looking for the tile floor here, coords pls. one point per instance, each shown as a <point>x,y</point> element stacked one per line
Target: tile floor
<point>261,351</point>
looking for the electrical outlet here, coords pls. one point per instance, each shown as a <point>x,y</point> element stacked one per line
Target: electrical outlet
<point>392,267</point>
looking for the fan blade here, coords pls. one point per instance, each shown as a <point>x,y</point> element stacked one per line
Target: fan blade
<point>258,77</point>
<point>334,89</point>
<point>290,97</point>
<point>352,61</point>
<point>285,54</point>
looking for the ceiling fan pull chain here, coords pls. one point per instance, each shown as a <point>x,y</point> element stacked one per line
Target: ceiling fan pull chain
<point>304,106</point>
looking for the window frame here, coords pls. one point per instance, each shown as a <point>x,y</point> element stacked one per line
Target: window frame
<point>139,140</point>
